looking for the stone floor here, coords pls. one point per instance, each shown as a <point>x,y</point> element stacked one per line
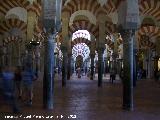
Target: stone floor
<point>85,101</point>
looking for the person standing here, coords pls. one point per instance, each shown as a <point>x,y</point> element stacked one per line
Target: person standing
<point>18,81</point>
<point>112,75</point>
<point>8,88</point>
<point>28,77</point>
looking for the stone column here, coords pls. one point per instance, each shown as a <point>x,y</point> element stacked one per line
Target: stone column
<point>115,52</point>
<point>101,46</point>
<point>1,51</point>
<point>29,56</point>
<point>156,58</point>
<point>1,56</point>
<point>100,65</point>
<point>156,67</point>
<point>64,47</point>
<point>69,66</point>
<point>92,66</point>
<point>134,61</point>
<point>64,65</point>
<point>51,19</point>
<point>48,80</point>
<point>31,22</point>
<point>37,60</point>
<point>127,36</point>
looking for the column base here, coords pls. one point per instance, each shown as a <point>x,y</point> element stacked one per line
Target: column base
<point>127,107</point>
<point>99,84</point>
<point>91,78</point>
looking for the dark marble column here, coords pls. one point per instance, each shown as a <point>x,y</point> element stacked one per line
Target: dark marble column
<point>92,66</point>
<point>127,36</point>
<point>134,67</point>
<point>64,65</point>
<point>48,80</point>
<point>1,56</point>
<point>156,67</point>
<point>100,66</point>
<point>69,67</point>
<point>29,57</point>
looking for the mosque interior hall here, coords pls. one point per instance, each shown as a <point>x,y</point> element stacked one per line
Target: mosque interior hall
<point>90,59</point>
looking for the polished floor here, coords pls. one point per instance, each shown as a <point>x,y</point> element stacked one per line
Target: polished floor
<point>83,100</point>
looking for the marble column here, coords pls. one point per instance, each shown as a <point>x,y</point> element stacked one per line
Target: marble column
<point>115,52</point>
<point>127,81</point>
<point>100,65</point>
<point>101,46</point>
<point>1,56</point>
<point>48,80</point>
<point>134,61</point>
<point>1,51</point>
<point>69,66</point>
<point>31,22</point>
<point>37,60</point>
<point>51,23</point>
<point>149,64</point>
<point>92,56</point>
<point>156,57</point>
<point>64,47</point>
<point>64,65</point>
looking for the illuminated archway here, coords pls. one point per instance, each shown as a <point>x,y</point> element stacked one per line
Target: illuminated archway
<point>80,49</point>
<point>81,34</point>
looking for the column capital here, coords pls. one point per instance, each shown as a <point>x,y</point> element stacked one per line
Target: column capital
<point>127,33</point>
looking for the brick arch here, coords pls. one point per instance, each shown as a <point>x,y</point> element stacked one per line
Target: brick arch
<point>10,39</point>
<point>12,23</point>
<point>146,43</point>
<point>35,7</point>
<point>80,40</point>
<point>150,8</point>
<point>111,6</point>
<point>84,25</point>
<point>151,31</point>
<point>75,5</point>
<point>6,5</point>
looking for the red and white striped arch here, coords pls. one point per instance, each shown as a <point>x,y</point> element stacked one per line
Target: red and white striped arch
<point>35,7</point>
<point>150,7</point>
<point>12,23</point>
<point>10,39</point>
<point>76,5</point>
<point>6,5</point>
<point>151,31</point>
<point>146,44</point>
<point>84,25</point>
<point>81,40</point>
<point>111,6</point>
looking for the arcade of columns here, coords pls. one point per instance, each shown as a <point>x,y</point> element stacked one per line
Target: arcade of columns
<point>103,21</point>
